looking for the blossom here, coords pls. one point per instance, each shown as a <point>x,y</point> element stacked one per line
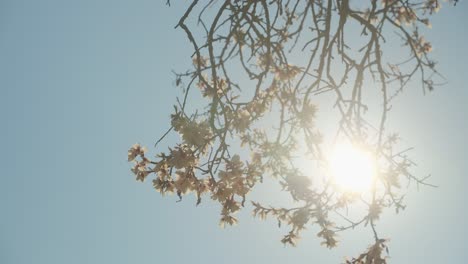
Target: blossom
<point>227,219</point>
<point>297,185</point>
<point>433,6</point>
<point>241,120</point>
<point>183,183</point>
<point>239,36</point>
<point>202,63</point>
<point>162,169</point>
<point>300,218</point>
<point>287,72</point>
<point>265,61</point>
<point>140,170</point>
<point>208,89</point>
<point>234,168</point>
<point>307,114</point>
<point>405,15</point>
<point>329,236</point>
<point>182,157</point>
<point>374,211</point>
<point>136,150</point>
<point>196,134</point>
<point>426,22</point>
<point>420,45</point>
<point>291,238</point>
<point>388,2</point>
<point>193,133</point>
<point>163,186</point>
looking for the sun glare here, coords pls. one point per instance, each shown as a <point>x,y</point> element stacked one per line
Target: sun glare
<point>352,169</point>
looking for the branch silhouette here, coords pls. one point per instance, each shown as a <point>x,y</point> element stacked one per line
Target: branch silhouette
<point>263,67</point>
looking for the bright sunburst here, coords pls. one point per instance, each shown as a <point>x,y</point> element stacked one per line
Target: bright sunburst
<point>352,168</point>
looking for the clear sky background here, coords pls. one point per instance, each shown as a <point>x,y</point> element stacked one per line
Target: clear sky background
<point>81,81</point>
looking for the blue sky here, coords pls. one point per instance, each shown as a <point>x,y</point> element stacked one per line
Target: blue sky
<point>81,81</point>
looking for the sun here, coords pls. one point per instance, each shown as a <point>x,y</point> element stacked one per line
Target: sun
<point>352,168</point>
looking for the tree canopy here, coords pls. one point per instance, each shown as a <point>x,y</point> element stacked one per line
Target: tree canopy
<point>264,68</point>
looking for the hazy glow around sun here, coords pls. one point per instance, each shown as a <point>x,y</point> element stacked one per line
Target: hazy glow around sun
<point>352,169</point>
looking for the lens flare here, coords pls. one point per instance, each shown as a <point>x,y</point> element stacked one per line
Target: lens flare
<point>352,168</point>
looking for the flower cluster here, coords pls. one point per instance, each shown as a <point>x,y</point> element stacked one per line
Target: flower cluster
<point>241,120</point>
<point>420,45</point>
<point>197,134</point>
<point>136,151</point>
<point>265,61</point>
<point>201,62</point>
<point>405,15</point>
<point>287,72</point>
<point>432,6</point>
<point>265,107</point>
<point>208,87</point>
<point>373,254</point>
<point>307,115</point>
<point>232,182</point>
<point>140,169</point>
